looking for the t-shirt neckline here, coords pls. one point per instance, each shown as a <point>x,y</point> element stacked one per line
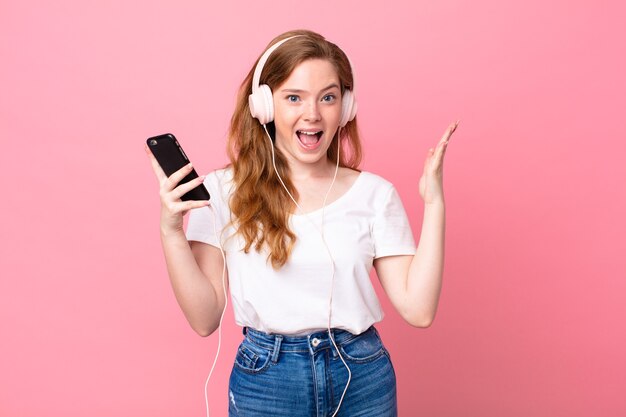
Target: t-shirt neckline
<point>338,201</point>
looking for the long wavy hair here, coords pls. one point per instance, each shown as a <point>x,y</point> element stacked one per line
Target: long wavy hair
<point>259,205</point>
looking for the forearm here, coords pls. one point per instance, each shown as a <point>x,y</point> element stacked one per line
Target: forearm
<point>194,292</point>
<point>425,274</point>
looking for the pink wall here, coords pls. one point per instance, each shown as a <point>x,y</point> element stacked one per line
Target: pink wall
<point>531,320</point>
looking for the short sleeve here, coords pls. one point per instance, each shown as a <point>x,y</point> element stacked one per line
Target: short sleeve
<point>206,223</point>
<point>391,229</point>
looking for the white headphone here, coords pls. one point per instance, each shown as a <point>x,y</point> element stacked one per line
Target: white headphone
<point>261,102</point>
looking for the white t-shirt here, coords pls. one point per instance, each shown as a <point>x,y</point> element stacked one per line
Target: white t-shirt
<point>367,222</point>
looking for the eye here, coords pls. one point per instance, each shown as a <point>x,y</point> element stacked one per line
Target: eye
<point>292,98</point>
<point>329,98</point>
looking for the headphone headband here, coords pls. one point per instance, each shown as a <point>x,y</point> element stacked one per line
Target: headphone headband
<point>259,67</point>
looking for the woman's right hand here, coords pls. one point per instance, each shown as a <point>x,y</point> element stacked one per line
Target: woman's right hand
<point>173,209</point>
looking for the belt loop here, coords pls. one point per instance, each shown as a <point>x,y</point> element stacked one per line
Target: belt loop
<point>244,330</point>
<point>277,342</point>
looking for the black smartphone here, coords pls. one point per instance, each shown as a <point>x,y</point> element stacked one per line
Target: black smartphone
<point>170,155</point>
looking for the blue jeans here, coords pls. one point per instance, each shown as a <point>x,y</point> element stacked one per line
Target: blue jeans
<point>303,376</point>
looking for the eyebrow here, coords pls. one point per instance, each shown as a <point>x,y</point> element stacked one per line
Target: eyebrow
<point>295,90</point>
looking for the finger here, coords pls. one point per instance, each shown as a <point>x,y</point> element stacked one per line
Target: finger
<point>155,165</point>
<point>438,159</point>
<point>177,177</point>
<point>448,133</point>
<point>175,207</point>
<point>438,154</point>
<point>183,207</point>
<point>193,204</point>
<point>443,142</point>
<point>182,189</point>
<point>429,158</point>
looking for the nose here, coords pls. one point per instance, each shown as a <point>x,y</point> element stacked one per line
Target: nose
<point>311,112</point>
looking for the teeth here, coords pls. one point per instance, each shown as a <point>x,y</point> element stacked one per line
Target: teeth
<point>309,133</point>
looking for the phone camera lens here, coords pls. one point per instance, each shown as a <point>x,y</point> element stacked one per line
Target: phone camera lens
<point>153,142</point>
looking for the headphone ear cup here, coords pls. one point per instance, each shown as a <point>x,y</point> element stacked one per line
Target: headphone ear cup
<point>348,108</point>
<point>261,104</point>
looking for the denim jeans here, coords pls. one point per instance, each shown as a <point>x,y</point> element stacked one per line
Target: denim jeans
<point>303,376</point>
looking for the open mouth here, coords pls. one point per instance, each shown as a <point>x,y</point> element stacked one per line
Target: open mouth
<point>309,140</point>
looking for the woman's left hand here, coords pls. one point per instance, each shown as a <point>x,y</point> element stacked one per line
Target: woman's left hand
<point>431,182</point>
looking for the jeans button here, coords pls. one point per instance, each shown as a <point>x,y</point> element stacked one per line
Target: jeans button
<point>315,342</point>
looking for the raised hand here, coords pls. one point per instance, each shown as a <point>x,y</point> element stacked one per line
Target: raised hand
<point>431,182</point>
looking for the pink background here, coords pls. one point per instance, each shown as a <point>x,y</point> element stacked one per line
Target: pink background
<point>531,319</point>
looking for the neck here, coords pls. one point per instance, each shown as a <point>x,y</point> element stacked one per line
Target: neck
<point>301,172</point>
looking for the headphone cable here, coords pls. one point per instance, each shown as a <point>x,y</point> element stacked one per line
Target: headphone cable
<point>321,232</point>
<point>219,329</point>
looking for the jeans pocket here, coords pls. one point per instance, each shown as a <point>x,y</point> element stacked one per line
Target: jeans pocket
<point>251,358</point>
<point>363,348</point>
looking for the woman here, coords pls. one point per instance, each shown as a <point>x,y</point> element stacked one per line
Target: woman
<point>301,227</point>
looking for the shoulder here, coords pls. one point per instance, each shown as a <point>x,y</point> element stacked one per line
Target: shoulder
<point>350,174</point>
<point>220,185</point>
<point>222,174</point>
<point>374,181</point>
<point>347,176</point>
<point>368,189</point>
<point>220,177</point>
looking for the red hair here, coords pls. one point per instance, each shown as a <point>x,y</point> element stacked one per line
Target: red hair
<point>259,204</point>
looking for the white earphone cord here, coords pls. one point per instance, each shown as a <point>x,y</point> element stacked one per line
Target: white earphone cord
<point>332,263</point>
<point>321,232</point>
<point>219,329</point>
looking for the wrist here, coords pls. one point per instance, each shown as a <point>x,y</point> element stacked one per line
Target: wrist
<point>170,232</point>
<point>438,202</point>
